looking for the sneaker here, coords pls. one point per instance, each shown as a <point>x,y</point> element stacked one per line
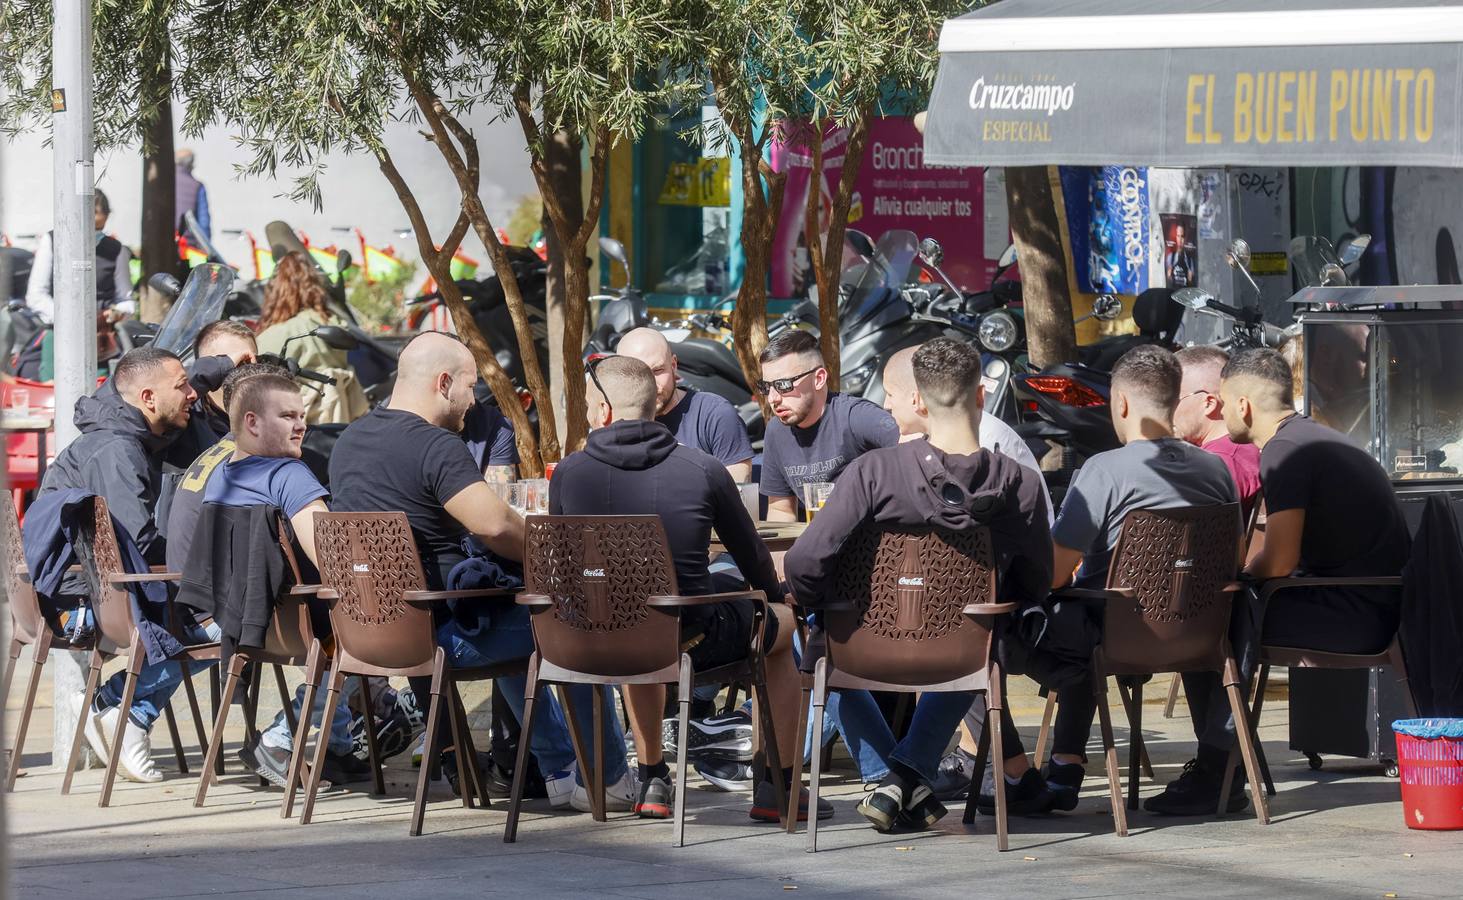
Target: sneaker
<point>725,774</point>
<point>135,761</point>
<point>96,725</point>
<point>345,768</point>
<point>730,736</point>
<point>764,805</point>
<point>560,786</point>
<point>1065,781</point>
<point>887,807</point>
<point>1196,793</point>
<point>270,763</point>
<point>449,769</point>
<point>619,797</point>
<point>1029,796</point>
<point>956,772</point>
<point>418,752</point>
<point>657,799</point>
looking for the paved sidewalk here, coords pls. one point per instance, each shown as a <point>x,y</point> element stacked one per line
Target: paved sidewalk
<point>1336,833</point>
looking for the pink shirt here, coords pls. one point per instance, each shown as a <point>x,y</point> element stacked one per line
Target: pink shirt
<point>1243,462</point>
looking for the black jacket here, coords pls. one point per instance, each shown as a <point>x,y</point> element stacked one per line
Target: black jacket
<point>236,571</point>
<point>1432,614</point>
<point>207,424</point>
<point>637,468</point>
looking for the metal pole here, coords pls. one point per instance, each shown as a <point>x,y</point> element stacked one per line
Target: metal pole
<point>73,281</point>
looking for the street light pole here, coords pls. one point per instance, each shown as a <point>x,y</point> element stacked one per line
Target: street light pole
<point>73,280</point>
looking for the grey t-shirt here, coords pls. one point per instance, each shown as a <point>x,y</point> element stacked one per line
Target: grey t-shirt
<point>709,423</point>
<point>848,428</point>
<point>1161,474</point>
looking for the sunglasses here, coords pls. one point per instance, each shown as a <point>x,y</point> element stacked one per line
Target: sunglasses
<point>590,367</point>
<point>784,385</point>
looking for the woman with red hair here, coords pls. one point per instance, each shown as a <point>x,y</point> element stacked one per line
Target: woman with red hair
<point>295,304</point>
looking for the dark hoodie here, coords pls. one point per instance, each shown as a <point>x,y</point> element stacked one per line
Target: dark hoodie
<point>916,484</point>
<point>207,424</point>
<point>635,467</point>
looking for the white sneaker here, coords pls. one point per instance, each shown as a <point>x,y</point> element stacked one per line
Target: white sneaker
<point>96,726</point>
<point>135,761</point>
<point>619,797</point>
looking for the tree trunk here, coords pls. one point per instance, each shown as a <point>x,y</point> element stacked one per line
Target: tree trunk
<point>159,189</point>
<point>1050,335</point>
<point>565,177</point>
<point>825,246</point>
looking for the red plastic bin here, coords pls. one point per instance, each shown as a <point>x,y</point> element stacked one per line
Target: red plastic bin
<point>1431,770</point>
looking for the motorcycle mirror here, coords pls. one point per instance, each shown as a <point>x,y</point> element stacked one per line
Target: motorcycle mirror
<point>931,252</point>
<point>342,261</point>
<point>860,242</point>
<point>1008,257</point>
<point>1106,307</point>
<point>335,337</point>
<point>1193,298</point>
<point>1332,275</point>
<point>1238,254</point>
<point>166,285</point>
<point>1353,248</point>
<point>615,251</point>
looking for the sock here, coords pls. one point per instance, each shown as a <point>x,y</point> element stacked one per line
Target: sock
<point>1014,781</point>
<point>904,777</point>
<point>659,770</point>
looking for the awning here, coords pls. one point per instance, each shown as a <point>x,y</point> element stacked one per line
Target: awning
<point>1203,83</point>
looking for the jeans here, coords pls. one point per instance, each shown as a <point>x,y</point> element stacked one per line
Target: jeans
<point>936,717</point>
<point>157,681</point>
<point>854,715</point>
<point>278,734</point>
<point>511,637</point>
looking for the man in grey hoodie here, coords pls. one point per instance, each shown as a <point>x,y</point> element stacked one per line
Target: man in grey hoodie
<point>946,480</point>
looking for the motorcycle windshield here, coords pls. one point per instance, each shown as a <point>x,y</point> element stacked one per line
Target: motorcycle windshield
<point>202,301</point>
<point>1308,255</point>
<point>882,283</point>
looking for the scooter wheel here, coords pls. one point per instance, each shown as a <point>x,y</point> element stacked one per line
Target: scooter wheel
<point>1390,769</point>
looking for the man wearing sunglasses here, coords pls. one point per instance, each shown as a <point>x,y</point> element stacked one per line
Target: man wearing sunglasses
<point>1199,419</point>
<point>817,431</point>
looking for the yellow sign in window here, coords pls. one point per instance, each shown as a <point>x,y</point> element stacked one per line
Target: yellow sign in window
<point>705,182</point>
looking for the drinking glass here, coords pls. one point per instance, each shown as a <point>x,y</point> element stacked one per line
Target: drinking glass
<point>538,499</point>
<point>815,495</point>
<point>20,400</point>
<point>751,499</point>
<point>519,496</point>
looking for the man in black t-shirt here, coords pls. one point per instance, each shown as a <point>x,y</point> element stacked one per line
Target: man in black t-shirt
<point>410,458</point>
<point>817,432</point>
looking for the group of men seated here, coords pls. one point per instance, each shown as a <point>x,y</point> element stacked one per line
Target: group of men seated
<point>1197,429</point>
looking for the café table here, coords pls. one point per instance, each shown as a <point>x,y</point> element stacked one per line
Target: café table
<point>15,422</point>
<point>778,536</point>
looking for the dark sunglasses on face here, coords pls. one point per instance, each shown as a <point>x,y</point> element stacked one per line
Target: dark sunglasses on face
<point>783,385</point>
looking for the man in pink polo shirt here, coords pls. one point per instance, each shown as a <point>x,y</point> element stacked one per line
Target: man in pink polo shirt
<point>1199,419</point>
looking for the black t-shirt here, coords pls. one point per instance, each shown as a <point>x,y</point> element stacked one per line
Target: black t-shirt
<point>1353,525</point>
<point>392,460</point>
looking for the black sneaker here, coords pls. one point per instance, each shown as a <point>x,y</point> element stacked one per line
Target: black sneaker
<point>1065,782</point>
<point>657,799</point>
<point>1029,796</point>
<point>725,774</point>
<point>270,763</point>
<point>449,769</point>
<point>1196,793</point>
<point>764,805</point>
<point>883,806</point>
<point>952,781</point>
<point>345,768</point>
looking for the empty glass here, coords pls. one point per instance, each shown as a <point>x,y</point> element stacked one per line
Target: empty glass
<point>20,400</point>
<point>751,499</point>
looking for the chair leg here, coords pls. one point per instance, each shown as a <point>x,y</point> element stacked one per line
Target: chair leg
<point>475,775</point>
<point>1110,752</point>
<point>982,754</point>
<point>129,690</point>
<point>250,676</point>
<point>236,666</point>
<point>1173,695</point>
<point>768,754</point>
<point>581,754</point>
<point>515,797</point>
<point>683,740</point>
<point>1135,742</point>
<point>1044,735</point>
<point>815,745</point>
<point>459,747</point>
<point>314,671</point>
<point>419,808</point>
<point>1246,742</point>
<point>322,743</point>
<point>176,738</point>
<point>284,698</point>
<point>198,719</point>
<point>1398,663</point>
<point>93,676</point>
<point>994,703</point>
<point>37,664</point>
<point>378,776</point>
<point>15,647</point>
<point>1135,714</point>
<point>820,700</point>
<point>1257,703</point>
<point>597,799</point>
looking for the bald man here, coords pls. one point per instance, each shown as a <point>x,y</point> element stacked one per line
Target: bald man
<point>699,419</point>
<point>410,458</point>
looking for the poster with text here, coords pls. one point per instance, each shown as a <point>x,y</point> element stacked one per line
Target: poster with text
<point>894,190</point>
<point>1108,225</point>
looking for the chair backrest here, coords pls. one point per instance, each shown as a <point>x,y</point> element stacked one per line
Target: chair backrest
<point>908,587</point>
<point>371,560</point>
<point>25,608</point>
<point>1177,563</point>
<point>101,558</point>
<point>289,633</point>
<point>599,571</point>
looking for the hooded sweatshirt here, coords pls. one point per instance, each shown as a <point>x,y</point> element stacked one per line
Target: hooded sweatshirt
<point>917,484</point>
<point>635,467</point>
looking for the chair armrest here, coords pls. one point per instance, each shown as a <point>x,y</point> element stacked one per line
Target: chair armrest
<point>1275,585</point>
<point>423,598</point>
<point>126,578</point>
<point>157,568</point>
<point>325,593</point>
<point>989,609</point>
<point>535,601</point>
<point>671,600</point>
<point>306,590</point>
<point>1103,594</point>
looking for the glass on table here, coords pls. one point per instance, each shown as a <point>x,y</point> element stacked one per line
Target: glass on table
<point>815,496</point>
<point>19,400</point>
<point>751,499</point>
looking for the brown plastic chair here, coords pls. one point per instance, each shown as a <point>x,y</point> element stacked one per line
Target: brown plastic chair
<point>606,610</point>
<point>117,635</point>
<point>290,641</point>
<point>1168,607</point>
<point>918,616</point>
<point>380,613</point>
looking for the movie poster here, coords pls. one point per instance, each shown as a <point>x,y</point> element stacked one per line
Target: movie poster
<point>1180,250</point>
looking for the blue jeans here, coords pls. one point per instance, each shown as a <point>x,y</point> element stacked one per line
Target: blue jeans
<point>936,716</point>
<point>855,716</point>
<point>511,637</point>
<point>278,734</point>
<point>157,681</point>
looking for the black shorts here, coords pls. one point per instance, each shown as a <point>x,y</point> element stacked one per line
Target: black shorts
<point>727,635</point>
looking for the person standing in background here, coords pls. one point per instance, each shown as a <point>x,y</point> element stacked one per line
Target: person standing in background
<point>191,195</point>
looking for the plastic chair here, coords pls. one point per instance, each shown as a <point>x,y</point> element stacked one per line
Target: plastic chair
<point>117,635</point>
<point>290,641</point>
<point>380,613</point>
<point>918,616</point>
<point>22,450</point>
<point>606,610</point>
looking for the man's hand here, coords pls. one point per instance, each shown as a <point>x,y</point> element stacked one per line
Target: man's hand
<point>483,513</point>
<point>1281,554</point>
<point>303,523</point>
<point>1065,561</point>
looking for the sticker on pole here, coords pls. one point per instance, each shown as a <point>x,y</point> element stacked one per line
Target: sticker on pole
<point>58,100</point>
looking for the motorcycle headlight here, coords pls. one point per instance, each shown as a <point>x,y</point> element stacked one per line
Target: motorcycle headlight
<point>999,331</point>
<point>855,380</point>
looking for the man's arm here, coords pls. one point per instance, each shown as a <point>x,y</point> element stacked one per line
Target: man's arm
<point>738,534</point>
<point>500,473</point>
<point>38,288</point>
<point>122,478</point>
<point>1281,554</point>
<point>811,561</point>
<point>782,509</point>
<point>1065,561</point>
<point>740,472</point>
<point>482,512</point>
<point>122,282</point>
<point>303,522</point>
<point>205,221</point>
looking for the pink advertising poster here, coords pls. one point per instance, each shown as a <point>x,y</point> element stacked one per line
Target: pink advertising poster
<point>894,190</point>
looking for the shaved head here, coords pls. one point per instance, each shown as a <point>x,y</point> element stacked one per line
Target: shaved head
<point>901,398</point>
<point>435,375</point>
<point>650,347</point>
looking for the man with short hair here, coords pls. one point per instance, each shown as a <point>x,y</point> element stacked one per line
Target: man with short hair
<point>1199,419</point>
<point>1152,470</point>
<point>698,419</point>
<point>410,458</point>
<point>817,431</point>
<point>945,479</point>
<point>113,270</point>
<point>633,465</point>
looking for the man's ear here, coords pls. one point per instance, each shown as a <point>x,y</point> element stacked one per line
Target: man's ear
<point>820,378</point>
<point>1213,406</point>
<point>444,384</point>
<point>1120,404</point>
<point>147,398</point>
<point>918,400</point>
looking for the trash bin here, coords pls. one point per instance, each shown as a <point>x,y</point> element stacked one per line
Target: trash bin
<point>1430,759</point>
